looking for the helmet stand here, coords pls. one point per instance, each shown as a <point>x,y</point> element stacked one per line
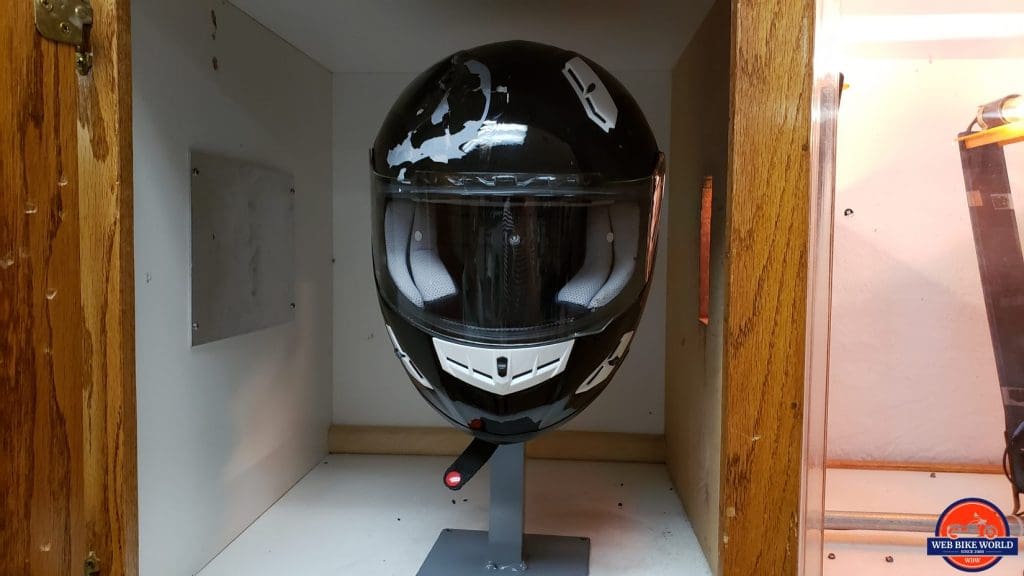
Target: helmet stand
<point>504,548</point>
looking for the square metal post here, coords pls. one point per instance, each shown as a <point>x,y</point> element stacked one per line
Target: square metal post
<point>508,488</point>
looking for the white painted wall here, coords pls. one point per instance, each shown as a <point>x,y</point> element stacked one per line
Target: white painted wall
<point>373,36</point>
<point>225,428</point>
<point>370,386</point>
<point>912,376</point>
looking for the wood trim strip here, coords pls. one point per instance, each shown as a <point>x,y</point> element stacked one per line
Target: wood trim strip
<point>766,295</point>
<point>558,445</point>
<point>940,467</point>
<point>108,292</point>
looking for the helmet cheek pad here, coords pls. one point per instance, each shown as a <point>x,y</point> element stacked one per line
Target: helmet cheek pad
<point>516,193</point>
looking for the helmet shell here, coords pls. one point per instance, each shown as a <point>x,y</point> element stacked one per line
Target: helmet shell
<point>520,83</point>
<point>510,110</point>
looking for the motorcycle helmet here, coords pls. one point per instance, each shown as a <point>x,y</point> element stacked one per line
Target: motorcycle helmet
<point>516,193</point>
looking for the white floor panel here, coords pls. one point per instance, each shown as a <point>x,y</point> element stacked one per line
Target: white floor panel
<point>860,553</point>
<point>379,515</point>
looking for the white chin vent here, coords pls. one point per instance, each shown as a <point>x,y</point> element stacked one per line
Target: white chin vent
<point>602,372</point>
<point>407,362</point>
<point>503,370</point>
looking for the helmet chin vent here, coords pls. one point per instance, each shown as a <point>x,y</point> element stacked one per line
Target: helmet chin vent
<point>502,370</point>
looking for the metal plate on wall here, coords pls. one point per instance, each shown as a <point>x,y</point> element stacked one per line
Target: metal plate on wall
<point>242,247</point>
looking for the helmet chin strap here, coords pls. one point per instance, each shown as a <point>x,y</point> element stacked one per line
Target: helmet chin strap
<point>468,463</point>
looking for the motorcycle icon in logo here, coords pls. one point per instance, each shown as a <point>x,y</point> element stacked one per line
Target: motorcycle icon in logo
<point>979,528</point>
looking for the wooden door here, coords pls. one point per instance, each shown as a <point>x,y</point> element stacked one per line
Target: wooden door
<point>67,388</point>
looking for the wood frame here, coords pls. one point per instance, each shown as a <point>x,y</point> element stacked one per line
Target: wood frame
<point>559,445</point>
<point>108,292</point>
<point>755,502</point>
<point>67,358</point>
<point>768,214</point>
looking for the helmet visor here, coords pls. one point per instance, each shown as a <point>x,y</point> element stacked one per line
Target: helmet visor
<point>513,264</point>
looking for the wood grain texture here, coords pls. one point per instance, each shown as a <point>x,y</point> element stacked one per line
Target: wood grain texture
<point>558,445</point>
<point>41,435</point>
<point>693,378</point>
<point>67,429</point>
<point>107,262</point>
<point>768,204</point>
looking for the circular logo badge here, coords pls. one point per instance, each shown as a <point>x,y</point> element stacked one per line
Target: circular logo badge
<point>974,535</point>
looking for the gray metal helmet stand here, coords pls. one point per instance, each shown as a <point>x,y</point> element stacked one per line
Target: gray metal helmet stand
<point>504,548</point>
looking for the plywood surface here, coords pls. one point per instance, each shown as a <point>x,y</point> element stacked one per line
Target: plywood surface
<point>693,372</point>
<point>561,444</point>
<point>766,306</point>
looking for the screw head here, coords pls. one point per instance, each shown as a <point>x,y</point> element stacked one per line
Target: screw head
<point>83,11</point>
<point>47,5</point>
<point>65,28</point>
<point>83,62</point>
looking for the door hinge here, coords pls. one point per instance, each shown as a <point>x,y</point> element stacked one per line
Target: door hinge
<point>92,565</point>
<point>68,22</point>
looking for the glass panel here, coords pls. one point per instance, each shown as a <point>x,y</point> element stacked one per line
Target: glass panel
<point>916,312</point>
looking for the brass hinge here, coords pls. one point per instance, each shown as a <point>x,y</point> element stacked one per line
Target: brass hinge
<point>92,565</point>
<point>68,22</point>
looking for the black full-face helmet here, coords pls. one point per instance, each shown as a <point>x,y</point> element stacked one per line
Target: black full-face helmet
<point>516,191</point>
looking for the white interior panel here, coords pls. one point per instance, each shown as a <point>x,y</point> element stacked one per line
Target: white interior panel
<point>225,428</point>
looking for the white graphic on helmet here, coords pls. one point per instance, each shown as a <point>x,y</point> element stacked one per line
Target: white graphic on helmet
<point>447,146</point>
<point>597,101</point>
<point>503,371</point>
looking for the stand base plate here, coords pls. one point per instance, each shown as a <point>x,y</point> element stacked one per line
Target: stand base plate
<point>465,553</point>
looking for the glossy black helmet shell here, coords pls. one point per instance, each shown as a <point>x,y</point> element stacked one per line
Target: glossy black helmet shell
<point>529,84</point>
<point>497,177</point>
